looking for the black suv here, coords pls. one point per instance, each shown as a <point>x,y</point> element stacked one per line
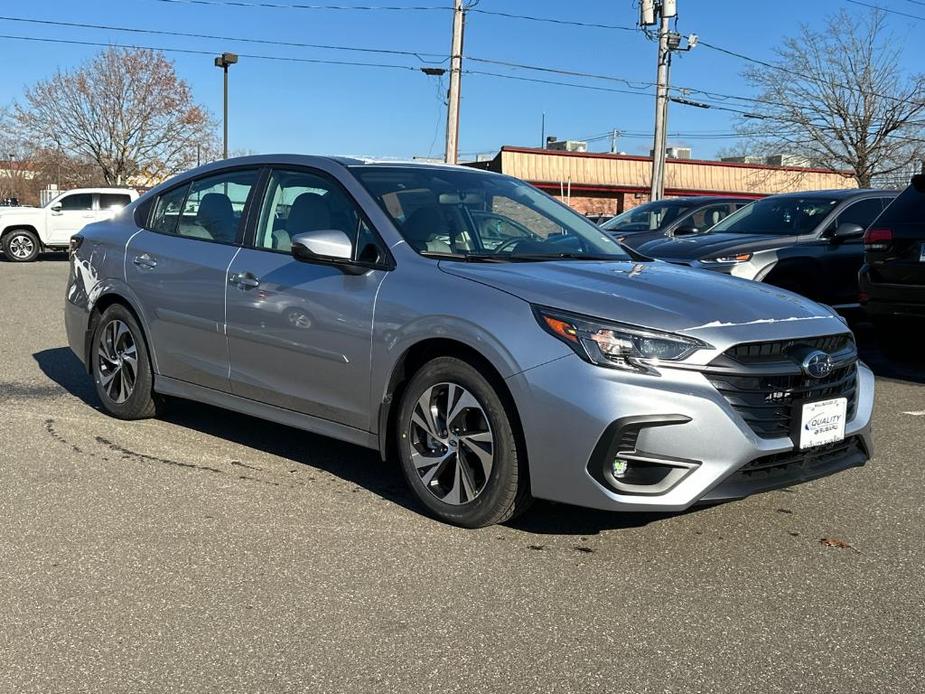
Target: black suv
<point>673,216</point>
<point>810,243</point>
<point>892,279</point>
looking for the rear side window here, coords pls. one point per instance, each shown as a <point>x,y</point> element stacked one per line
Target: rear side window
<point>110,200</point>
<point>908,207</point>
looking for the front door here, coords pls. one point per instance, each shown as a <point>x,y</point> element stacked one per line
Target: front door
<point>299,333</point>
<point>67,216</point>
<point>178,268</point>
<point>841,260</point>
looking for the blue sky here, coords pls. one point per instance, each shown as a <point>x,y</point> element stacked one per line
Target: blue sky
<point>326,109</point>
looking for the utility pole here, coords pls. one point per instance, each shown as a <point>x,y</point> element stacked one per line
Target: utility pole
<point>614,136</point>
<point>662,12</point>
<point>452,113</point>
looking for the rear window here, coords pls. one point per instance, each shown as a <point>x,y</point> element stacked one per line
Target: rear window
<point>908,207</point>
<point>110,200</point>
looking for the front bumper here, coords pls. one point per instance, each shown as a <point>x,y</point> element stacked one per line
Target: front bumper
<point>568,408</point>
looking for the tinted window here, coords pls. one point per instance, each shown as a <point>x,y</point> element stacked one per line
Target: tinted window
<point>110,200</point>
<point>909,207</point>
<point>300,201</point>
<point>78,201</point>
<point>862,213</point>
<point>167,211</point>
<point>215,206</point>
<point>652,215</point>
<point>447,211</point>
<point>783,216</point>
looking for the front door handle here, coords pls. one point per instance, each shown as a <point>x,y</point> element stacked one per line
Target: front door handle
<point>244,280</point>
<point>145,261</point>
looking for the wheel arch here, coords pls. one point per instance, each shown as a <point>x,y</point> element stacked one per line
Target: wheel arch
<point>12,228</point>
<point>416,356</point>
<point>104,301</point>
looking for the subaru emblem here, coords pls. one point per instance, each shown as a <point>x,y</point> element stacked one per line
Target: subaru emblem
<point>817,364</point>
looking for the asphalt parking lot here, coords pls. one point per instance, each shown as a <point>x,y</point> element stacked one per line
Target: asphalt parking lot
<point>208,551</point>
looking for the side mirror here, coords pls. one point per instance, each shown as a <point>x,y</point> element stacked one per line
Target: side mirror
<point>686,231</point>
<point>330,245</point>
<point>56,207</point>
<point>847,230</point>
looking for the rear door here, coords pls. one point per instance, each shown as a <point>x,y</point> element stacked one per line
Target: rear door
<point>177,267</point>
<point>902,260</point>
<point>299,333</point>
<point>840,260</point>
<point>67,216</point>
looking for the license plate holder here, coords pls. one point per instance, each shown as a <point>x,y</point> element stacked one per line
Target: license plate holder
<point>819,422</point>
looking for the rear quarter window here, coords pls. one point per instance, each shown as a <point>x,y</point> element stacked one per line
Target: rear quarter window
<point>908,207</point>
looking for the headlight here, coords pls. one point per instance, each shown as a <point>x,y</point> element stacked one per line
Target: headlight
<point>739,258</point>
<point>615,345</point>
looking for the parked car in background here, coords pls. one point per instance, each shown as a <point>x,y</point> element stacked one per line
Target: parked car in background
<point>27,231</point>
<point>672,216</point>
<point>539,361</point>
<point>810,243</point>
<point>892,279</point>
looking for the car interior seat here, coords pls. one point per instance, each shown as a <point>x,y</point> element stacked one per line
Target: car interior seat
<point>422,229</point>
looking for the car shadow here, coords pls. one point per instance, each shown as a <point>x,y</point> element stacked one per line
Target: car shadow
<point>891,357</point>
<point>353,464</point>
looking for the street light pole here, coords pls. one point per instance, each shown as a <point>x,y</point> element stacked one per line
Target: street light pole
<point>224,61</point>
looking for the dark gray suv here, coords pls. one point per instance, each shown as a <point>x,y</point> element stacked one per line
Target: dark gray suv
<point>496,343</point>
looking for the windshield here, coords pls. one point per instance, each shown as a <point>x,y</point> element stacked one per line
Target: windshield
<point>780,216</point>
<point>477,216</point>
<point>648,217</point>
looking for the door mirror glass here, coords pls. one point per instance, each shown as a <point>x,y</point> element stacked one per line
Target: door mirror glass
<point>848,230</point>
<point>686,230</point>
<point>325,244</point>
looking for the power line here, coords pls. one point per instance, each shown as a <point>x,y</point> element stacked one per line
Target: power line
<point>191,51</point>
<point>290,44</point>
<point>302,6</point>
<point>889,10</point>
<point>552,20</point>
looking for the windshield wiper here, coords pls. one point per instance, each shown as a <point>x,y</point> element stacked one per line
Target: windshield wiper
<point>466,257</point>
<point>539,257</point>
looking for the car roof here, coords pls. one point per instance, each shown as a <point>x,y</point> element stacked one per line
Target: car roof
<point>837,194</point>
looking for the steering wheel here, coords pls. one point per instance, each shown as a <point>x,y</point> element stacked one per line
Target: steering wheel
<point>503,246</point>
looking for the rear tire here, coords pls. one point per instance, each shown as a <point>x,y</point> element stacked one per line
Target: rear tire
<point>458,448</point>
<point>21,246</point>
<point>121,367</point>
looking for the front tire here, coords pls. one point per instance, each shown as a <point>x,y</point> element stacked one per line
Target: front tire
<point>458,448</point>
<point>121,367</point>
<point>21,246</point>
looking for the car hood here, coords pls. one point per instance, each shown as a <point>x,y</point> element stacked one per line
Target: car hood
<point>660,296</point>
<point>709,245</point>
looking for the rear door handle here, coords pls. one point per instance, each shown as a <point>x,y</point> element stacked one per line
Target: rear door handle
<point>145,261</point>
<point>244,280</point>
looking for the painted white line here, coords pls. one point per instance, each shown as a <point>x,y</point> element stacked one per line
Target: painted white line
<point>916,414</point>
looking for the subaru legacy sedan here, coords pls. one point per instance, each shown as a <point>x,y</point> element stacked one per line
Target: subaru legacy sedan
<point>526,357</point>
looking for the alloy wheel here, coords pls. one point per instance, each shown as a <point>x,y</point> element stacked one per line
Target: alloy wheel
<point>21,246</point>
<point>117,359</point>
<point>452,446</point>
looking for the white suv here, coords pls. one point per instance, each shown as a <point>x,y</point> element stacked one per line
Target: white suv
<point>26,231</point>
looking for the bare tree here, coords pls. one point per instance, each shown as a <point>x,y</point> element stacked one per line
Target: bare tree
<point>126,111</point>
<point>839,99</point>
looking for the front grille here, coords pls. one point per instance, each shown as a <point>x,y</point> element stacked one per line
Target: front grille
<point>766,403</point>
<point>812,457</point>
<point>775,351</point>
<point>764,382</point>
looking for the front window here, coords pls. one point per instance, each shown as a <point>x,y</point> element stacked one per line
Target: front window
<point>79,202</point>
<point>648,217</point>
<point>474,215</point>
<point>778,216</point>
